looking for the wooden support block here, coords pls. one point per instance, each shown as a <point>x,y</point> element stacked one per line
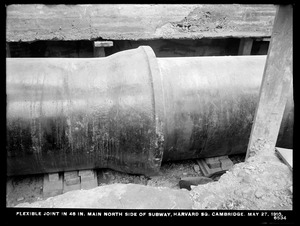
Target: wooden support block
<point>286,155</point>
<point>213,162</point>
<point>83,179</point>
<point>245,46</point>
<point>52,188</point>
<point>276,83</point>
<point>205,169</point>
<point>223,157</point>
<point>226,163</point>
<point>70,175</point>
<point>53,176</point>
<point>71,187</point>
<point>86,173</point>
<point>72,181</point>
<point>99,52</point>
<point>88,179</point>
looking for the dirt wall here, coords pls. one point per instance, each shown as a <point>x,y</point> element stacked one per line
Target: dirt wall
<point>34,22</point>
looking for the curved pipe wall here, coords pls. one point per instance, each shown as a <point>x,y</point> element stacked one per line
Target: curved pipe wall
<point>210,105</point>
<point>129,111</point>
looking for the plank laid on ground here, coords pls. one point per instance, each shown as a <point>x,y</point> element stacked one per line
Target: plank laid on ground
<point>276,83</point>
<point>286,155</point>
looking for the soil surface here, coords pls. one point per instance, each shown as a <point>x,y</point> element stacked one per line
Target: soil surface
<point>263,182</point>
<point>29,188</point>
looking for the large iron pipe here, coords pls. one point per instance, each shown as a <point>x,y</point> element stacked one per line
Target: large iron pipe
<point>210,104</point>
<point>70,114</point>
<point>129,111</point>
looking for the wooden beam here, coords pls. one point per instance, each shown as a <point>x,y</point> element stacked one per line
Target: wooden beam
<point>276,82</point>
<point>245,46</point>
<point>286,155</point>
<point>266,39</point>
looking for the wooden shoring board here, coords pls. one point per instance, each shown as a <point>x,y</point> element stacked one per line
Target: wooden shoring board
<point>286,155</point>
<point>276,83</point>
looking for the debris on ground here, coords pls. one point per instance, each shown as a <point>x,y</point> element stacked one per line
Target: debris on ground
<point>260,183</point>
<point>263,182</point>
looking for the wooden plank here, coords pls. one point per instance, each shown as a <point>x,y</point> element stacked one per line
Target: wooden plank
<point>245,46</point>
<point>33,22</point>
<point>266,39</point>
<point>286,155</point>
<point>276,83</point>
<point>103,43</point>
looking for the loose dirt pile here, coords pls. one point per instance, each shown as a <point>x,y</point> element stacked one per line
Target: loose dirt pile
<point>263,182</point>
<point>200,20</point>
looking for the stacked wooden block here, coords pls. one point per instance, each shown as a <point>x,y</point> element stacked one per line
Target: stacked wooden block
<point>88,179</point>
<point>214,165</point>
<point>56,184</point>
<point>71,181</point>
<point>53,185</point>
